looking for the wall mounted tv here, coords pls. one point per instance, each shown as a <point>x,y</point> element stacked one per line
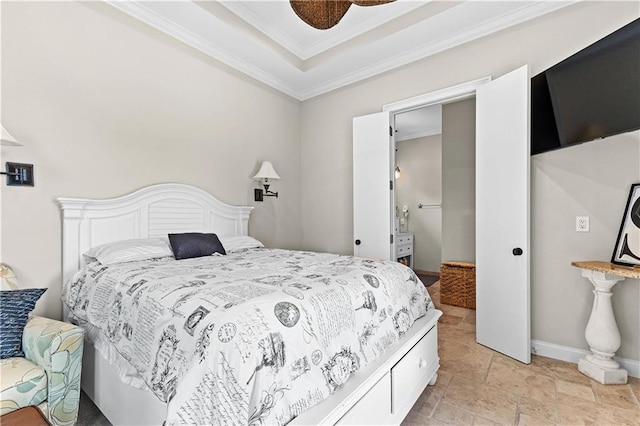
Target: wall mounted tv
<point>590,95</point>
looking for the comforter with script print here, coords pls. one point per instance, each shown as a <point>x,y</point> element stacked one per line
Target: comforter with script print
<point>255,337</point>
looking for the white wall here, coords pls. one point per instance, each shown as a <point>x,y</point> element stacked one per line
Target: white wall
<point>105,105</point>
<point>420,162</point>
<point>327,159</point>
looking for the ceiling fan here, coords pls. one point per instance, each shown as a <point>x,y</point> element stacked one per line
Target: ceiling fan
<point>324,14</point>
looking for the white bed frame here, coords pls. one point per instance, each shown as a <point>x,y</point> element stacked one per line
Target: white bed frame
<point>381,393</point>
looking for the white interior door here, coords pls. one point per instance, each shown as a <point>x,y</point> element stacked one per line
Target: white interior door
<point>502,215</point>
<point>372,191</point>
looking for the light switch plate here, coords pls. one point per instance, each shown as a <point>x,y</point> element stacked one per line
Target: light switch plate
<point>582,223</point>
<point>19,174</point>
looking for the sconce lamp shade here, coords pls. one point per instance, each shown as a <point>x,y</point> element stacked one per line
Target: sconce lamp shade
<point>266,171</point>
<point>7,139</point>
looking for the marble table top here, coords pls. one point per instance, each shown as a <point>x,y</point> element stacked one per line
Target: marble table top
<point>609,268</point>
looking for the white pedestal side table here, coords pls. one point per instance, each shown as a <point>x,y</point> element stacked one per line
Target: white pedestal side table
<point>602,332</point>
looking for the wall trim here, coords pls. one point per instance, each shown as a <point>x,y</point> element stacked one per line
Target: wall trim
<point>303,81</point>
<point>446,95</point>
<point>422,134</point>
<point>430,273</point>
<point>569,354</point>
<point>144,13</point>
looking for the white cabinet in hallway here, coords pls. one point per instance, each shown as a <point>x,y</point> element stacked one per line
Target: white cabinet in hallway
<point>404,248</point>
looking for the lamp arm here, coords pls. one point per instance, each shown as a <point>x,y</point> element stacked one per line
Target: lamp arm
<point>268,193</point>
<point>259,193</point>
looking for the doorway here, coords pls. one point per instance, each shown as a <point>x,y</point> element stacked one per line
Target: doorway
<point>435,186</point>
<point>418,188</point>
<point>502,195</point>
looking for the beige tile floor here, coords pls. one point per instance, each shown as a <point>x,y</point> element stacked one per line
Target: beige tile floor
<point>477,386</point>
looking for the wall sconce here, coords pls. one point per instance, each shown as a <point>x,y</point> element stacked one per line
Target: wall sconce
<point>17,173</point>
<point>265,173</point>
<point>7,139</point>
<point>398,174</point>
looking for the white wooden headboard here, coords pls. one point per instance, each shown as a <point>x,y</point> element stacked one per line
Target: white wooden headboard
<point>153,211</point>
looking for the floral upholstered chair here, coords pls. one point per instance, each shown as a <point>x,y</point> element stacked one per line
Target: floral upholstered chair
<point>44,368</point>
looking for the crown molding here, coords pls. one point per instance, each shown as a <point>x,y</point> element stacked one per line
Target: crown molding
<point>426,50</point>
<point>138,9</point>
<point>331,40</point>
<point>249,58</point>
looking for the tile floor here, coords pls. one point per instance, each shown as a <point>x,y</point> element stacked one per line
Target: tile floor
<point>89,414</point>
<point>477,386</point>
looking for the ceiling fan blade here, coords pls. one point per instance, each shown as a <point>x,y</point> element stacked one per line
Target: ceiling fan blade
<point>370,2</point>
<point>320,14</point>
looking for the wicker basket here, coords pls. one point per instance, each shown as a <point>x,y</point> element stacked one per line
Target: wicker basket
<point>458,284</point>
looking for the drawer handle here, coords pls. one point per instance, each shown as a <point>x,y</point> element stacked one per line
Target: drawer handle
<point>422,363</point>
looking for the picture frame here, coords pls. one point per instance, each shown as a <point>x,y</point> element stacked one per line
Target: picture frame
<point>627,249</point>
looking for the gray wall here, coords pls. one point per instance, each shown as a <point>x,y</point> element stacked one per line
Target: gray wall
<point>592,179</point>
<point>420,162</point>
<point>105,105</point>
<point>561,299</point>
<point>459,181</point>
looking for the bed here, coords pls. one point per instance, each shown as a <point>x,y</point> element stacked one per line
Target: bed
<point>388,364</point>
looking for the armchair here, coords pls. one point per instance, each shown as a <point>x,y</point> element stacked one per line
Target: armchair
<point>49,374</point>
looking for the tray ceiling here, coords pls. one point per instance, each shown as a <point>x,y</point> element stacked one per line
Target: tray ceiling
<point>266,40</point>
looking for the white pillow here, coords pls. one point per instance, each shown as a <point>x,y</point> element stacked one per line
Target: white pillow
<point>242,242</point>
<point>131,250</point>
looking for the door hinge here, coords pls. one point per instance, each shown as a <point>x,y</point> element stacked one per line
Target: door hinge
<point>391,185</point>
<point>391,239</point>
<point>390,131</point>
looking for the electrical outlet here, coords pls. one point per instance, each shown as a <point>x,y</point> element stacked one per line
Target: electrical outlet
<point>582,223</point>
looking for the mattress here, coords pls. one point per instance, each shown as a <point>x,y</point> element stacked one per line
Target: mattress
<point>255,337</point>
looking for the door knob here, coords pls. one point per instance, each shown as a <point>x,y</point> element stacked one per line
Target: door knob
<point>517,251</point>
<point>357,242</point>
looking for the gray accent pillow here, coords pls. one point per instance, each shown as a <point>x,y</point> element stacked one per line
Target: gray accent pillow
<point>195,244</point>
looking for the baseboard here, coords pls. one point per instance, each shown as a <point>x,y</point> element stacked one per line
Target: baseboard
<point>431,273</point>
<point>569,354</point>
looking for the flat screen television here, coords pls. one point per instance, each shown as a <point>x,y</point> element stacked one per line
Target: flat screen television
<point>590,95</point>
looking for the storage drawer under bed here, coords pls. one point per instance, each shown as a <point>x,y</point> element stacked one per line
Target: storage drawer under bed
<point>410,375</point>
<point>374,408</point>
<point>391,398</point>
